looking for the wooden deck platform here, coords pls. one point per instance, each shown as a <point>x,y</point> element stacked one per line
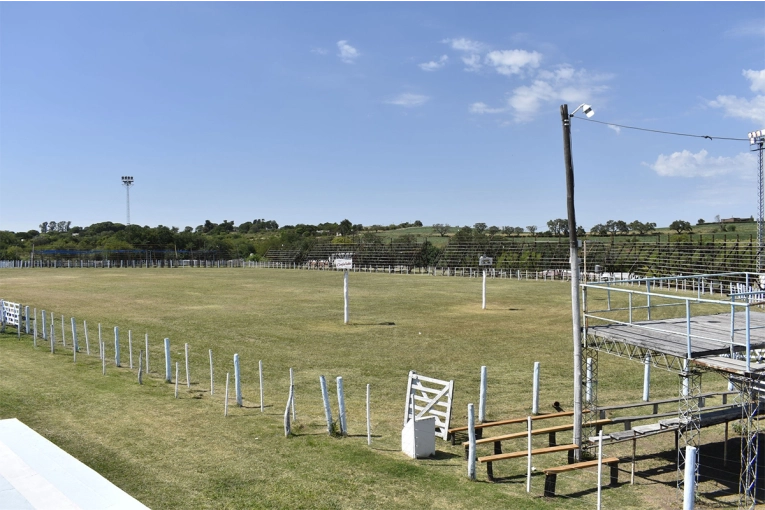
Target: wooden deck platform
<point>668,336</point>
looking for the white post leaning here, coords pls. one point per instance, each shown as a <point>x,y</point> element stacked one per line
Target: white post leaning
<point>237,381</point>
<point>168,374</point>
<point>689,488</point>
<point>87,340</point>
<point>535,390</point>
<point>327,409</point>
<point>646,377</point>
<point>369,420</point>
<point>341,407</point>
<point>292,398</point>
<point>130,347</point>
<point>147,353</point>
<point>483,302</point>
<point>345,297</point>
<point>260,377</point>
<point>482,397</point>
<point>188,378</point>
<point>471,442</point>
<point>225,403</point>
<point>140,367</point>
<point>528,456</point>
<point>287,425</point>
<point>75,343</point>
<point>212,381</point>
<point>116,346</point>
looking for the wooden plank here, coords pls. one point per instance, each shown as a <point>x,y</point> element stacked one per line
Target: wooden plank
<point>534,432</point>
<point>579,465</point>
<point>516,420</point>
<point>523,453</point>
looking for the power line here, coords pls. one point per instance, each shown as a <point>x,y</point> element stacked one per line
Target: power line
<point>663,132</point>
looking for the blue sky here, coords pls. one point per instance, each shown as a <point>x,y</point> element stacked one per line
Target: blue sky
<point>376,112</point>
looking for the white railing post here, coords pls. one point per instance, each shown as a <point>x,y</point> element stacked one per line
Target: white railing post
<point>535,390</point>
<point>471,442</point>
<point>482,397</point>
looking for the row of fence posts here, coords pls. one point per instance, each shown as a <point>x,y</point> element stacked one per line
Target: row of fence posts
<point>339,428</point>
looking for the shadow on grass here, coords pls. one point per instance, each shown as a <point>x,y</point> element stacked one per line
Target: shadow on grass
<point>371,324</point>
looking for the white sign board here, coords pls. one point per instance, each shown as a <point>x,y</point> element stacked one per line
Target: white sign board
<point>485,261</point>
<point>344,263</point>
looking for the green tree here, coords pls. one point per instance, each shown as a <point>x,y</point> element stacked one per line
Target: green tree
<point>681,226</point>
<point>441,228</point>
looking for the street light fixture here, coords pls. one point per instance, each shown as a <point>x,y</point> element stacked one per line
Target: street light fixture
<point>127,181</point>
<point>576,315</point>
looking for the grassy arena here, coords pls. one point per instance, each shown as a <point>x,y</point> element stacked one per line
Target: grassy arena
<point>183,453</point>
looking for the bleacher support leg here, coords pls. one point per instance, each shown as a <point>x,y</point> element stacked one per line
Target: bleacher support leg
<point>550,485</point>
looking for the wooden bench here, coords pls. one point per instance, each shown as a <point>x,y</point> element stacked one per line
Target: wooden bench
<point>551,474</point>
<point>551,431</point>
<point>489,459</point>
<point>480,426</point>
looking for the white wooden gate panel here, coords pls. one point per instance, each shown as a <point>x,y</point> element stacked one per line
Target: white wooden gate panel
<point>432,397</point>
<point>11,313</point>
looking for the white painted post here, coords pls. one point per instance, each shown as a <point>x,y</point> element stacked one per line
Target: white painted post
<point>287,425</point>
<point>26,319</point>
<point>63,331</point>
<point>116,346</point>
<point>140,367</point>
<point>130,347</point>
<point>102,348</point>
<point>535,389</point>
<point>176,379</point>
<point>34,331</point>
<point>147,351</point>
<point>52,337</point>
<point>225,402</point>
<point>369,421</point>
<point>260,377</point>
<point>237,381</point>
<point>212,381</point>
<point>168,375</point>
<point>600,465</point>
<point>75,344</point>
<point>588,381</point>
<point>87,341</point>
<point>100,343</point>
<point>483,303</point>
<point>341,407</point>
<point>188,378</point>
<point>685,378</point>
<point>44,328</point>
<point>327,409</point>
<point>471,442</point>
<point>646,378</point>
<point>345,297</point>
<point>482,397</point>
<point>528,456</point>
<point>689,489</point>
<point>292,386</point>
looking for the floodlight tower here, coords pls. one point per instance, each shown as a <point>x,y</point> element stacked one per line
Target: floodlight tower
<point>757,141</point>
<point>127,181</point>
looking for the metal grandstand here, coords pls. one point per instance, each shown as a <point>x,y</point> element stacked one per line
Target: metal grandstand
<point>398,257</point>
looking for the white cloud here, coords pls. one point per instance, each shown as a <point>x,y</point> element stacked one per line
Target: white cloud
<point>348,53</point>
<point>434,65</point>
<point>465,45</point>
<point>687,164</point>
<point>473,62</point>
<point>319,51</point>
<point>408,100</point>
<point>617,129</point>
<point>481,108</point>
<point>757,78</point>
<point>564,84</point>
<point>509,62</point>
<point>742,108</point>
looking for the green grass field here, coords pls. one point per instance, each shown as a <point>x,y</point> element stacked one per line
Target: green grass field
<point>183,453</point>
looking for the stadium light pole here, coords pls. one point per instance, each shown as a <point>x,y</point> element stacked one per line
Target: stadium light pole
<point>757,140</point>
<point>127,181</point>
<point>576,314</point>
